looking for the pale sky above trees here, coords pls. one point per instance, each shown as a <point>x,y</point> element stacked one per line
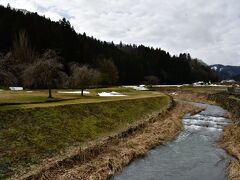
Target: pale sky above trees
<point>209,30</point>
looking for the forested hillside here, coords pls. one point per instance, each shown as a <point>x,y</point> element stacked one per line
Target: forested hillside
<point>133,62</point>
<point>227,72</point>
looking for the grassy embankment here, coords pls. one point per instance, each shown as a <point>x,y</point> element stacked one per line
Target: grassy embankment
<point>30,133</point>
<point>230,139</point>
<point>190,93</point>
<point>193,89</point>
<point>103,160</point>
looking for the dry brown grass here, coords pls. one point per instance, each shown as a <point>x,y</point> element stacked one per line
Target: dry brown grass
<point>190,96</point>
<point>230,141</point>
<point>103,160</point>
<point>234,170</point>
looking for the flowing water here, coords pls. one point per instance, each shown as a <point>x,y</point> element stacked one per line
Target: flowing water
<point>193,155</point>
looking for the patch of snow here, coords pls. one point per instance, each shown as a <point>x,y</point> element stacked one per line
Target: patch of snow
<point>109,94</point>
<point>200,83</point>
<point>16,88</point>
<point>220,69</point>
<point>174,93</point>
<point>168,85</point>
<point>73,92</point>
<point>214,68</point>
<point>215,85</point>
<point>138,88</point>
<point>228,81</point>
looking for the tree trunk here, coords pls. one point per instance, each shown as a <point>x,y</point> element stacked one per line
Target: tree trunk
<point>49,92</point>
<point>81,92</point>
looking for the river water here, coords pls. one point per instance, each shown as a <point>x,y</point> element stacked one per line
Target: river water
<point>193,155</point>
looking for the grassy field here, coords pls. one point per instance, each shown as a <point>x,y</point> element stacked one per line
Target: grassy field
<point>23,99</point>
<point>30,133</point>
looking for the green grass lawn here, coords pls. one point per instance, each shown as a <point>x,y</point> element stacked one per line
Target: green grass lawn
<point>37,96</point>
<point>30,133</point>
<point>23,99</point>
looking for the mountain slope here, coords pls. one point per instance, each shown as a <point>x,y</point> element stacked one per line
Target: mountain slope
<point>227,72</point>
<point>133,62</point>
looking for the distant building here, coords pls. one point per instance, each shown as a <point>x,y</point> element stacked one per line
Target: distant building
<point>16,88</point>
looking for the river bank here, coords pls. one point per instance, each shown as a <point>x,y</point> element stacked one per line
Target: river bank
<point>230,139</point>
<point>104,160</point>
<point>193,154</point>
<point>34,137</point>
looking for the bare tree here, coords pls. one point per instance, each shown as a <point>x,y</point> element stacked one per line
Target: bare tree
<point>44,72</point>
<point>83,77</point>
<point>151,80</point>
<point>22,49</point>
<point>21,55</point>
<point>7,78</point>
<point>109,71</point>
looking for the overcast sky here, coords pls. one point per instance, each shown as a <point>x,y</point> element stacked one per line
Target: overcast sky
<point>207,29</point>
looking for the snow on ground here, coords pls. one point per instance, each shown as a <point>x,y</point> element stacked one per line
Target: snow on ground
<point>108,94</point>
<point>214,68</point>
<point>216,85</point>
<point>73,92</point>
<point>174,93</point>
<point>170,85</point>
<point>138,88</point>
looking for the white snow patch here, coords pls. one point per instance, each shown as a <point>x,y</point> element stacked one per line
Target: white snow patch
<point>199,83</point>
<point>228,81</point>
<point>109,94</point>
<point>73,92</point>
<point>138,88</point>
<point>174,93</point>
<point>169,85</point>
<point>215,85</point>
<point>214,68</point>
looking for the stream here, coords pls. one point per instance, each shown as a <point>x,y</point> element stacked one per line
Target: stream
<point>193,155</point>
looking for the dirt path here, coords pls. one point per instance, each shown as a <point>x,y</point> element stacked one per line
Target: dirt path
<point>104,160</point>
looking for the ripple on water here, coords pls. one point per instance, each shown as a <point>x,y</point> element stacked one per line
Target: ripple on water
<point>193,155</point>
